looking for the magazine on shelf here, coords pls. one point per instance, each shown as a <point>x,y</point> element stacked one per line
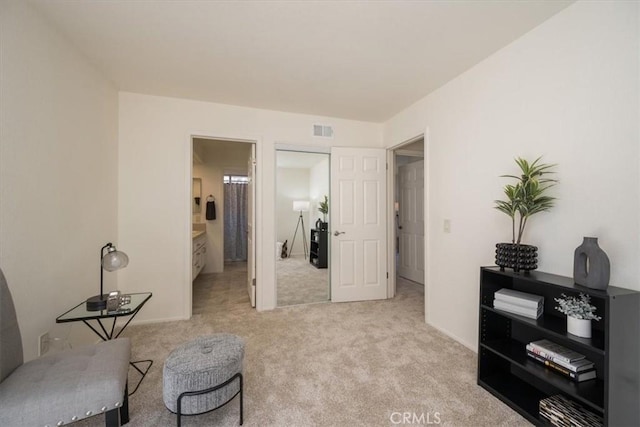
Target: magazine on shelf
<point>576,366</point>
<point>556,350</point>
<point>574,376</point>
<point>531,313</point>
<point>561,411</point>
<point>519,298</point>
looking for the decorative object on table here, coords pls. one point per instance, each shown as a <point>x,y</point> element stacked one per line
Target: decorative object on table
<point>283,251</point>
<point>323,208</point>
<point>521,303</point>
<point>524,199</point>
<point>211,208</point>
<point>561,411</point>
<point>599,269</point>
<point>112,260</point>
<point>300,206</point>
<point>579,313</point>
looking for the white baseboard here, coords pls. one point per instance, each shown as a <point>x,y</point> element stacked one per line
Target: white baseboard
<point>454,337</point>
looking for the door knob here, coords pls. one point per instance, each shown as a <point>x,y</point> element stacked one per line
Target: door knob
<point>337,233</point>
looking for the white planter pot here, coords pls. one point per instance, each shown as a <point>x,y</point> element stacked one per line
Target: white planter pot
<point>579,327</point>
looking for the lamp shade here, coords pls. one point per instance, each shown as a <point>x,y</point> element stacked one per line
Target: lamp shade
<point>114,259</point>
<point>301,205</point>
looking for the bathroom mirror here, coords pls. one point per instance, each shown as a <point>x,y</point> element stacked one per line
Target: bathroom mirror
<point>196,194</point>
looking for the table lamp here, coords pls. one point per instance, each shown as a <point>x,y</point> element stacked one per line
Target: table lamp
<point>111,261</point>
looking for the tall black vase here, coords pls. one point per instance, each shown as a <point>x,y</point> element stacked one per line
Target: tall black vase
<point>591,267</point>
<point>516,256</point>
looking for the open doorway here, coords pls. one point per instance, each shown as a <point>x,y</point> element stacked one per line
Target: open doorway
<point>302,251</point>
<point>409,212</point>
<point>221,218</point>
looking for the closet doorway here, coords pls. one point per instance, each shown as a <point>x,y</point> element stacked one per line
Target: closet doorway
<point>302,249</point>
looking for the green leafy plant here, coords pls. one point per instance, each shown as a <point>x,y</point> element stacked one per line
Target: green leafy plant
<point>323,207</point>
<point>527,196</point>
<point>579,307</point>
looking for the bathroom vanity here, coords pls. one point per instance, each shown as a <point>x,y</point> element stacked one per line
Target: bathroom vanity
<point>199,258</point>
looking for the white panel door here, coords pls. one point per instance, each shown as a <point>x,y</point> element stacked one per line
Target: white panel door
<point>358,224</point>
<point>251,230</point>
<point>411,221</point>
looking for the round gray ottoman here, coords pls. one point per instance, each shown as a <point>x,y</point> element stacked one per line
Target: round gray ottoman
<point>203,374</point>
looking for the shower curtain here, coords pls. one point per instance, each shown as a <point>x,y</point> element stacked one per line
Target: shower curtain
<point>235,222</point>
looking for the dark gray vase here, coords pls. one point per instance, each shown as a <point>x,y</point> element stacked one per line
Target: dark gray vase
<point>591,266</point>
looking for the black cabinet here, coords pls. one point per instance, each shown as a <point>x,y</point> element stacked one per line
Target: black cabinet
<point>505,370</point>
<point>318,249</point>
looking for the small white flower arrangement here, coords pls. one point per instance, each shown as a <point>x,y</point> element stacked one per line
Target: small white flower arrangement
<point>578,307</point>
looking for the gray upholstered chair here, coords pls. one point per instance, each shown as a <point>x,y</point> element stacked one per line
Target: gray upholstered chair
<point>63,387</point>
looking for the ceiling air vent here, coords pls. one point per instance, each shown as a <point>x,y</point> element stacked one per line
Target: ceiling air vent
<point>323,131</point>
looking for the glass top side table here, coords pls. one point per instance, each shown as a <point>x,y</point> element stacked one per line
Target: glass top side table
<point>79,313</point>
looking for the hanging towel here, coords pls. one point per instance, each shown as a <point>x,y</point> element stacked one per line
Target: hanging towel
<point>211,210</point>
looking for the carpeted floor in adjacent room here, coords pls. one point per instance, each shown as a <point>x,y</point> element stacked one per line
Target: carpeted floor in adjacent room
<point>340,364</point>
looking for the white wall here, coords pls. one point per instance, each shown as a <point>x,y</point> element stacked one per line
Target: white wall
<point>318,187</point>
<point>58,174</point>
<point>292,184</point>
<point>156,131</point>
<point>567,90</point>
<point>218,159</point>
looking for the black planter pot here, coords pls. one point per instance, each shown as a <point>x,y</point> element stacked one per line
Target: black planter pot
<point>515,256</point>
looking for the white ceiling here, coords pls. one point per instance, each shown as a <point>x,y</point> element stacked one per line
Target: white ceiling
<point>360,60</point>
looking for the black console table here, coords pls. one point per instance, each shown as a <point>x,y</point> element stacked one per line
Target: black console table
<point>79,313</point>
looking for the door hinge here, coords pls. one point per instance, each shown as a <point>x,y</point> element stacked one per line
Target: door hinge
<point>387,274</point>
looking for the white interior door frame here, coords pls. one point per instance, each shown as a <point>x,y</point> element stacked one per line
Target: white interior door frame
<point>391,217</point>
<point>187,215</point>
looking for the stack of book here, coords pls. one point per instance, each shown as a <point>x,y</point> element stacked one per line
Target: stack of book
<point>560,411</point>
<point>521,303</point>
<point>561,360</point>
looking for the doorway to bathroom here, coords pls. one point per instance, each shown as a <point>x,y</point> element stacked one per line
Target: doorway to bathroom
<point>222,218</point>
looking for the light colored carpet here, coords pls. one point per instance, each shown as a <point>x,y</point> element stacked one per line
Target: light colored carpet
<point>336,364</point>
<point>299,282</point>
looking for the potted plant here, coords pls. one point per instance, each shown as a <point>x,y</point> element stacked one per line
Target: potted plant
<point>579,313</point>
<point>523,199</point>
<point>323,207</point>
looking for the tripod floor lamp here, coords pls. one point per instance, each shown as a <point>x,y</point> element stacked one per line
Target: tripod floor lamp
<point>300,206</point>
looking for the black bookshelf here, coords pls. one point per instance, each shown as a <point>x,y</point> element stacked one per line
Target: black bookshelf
<point>318,248</point>
<point>505,370</point>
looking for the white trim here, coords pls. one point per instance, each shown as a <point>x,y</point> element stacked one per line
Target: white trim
<point>281,146</point>
<point>391,225</point>
<point>427,223</point>
<point>455,338</point>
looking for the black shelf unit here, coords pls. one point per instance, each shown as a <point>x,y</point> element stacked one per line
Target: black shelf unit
<point>318,249</point>
<point>505,370</point>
